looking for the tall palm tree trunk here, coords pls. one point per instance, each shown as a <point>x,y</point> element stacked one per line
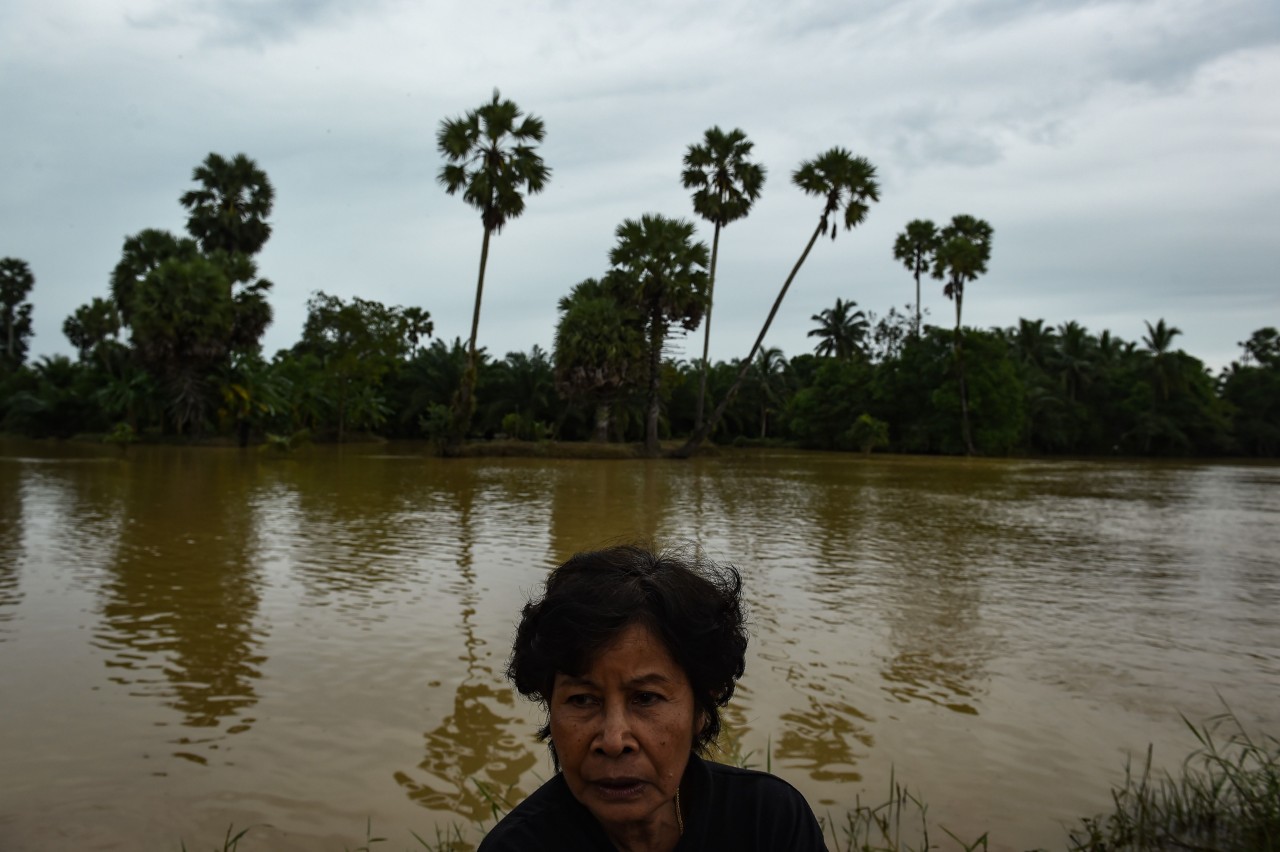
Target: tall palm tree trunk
<point>917,301</point>
<point>651,446</point>
<point>964,394</point>
<point>700,434</point>
<point>601,433</point>
<point>466,394</point>
<point>706,340</point>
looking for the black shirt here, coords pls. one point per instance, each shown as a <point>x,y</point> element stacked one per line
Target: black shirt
<point>724,808</point>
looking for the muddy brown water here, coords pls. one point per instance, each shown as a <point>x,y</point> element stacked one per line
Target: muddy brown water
<point>302,645</point>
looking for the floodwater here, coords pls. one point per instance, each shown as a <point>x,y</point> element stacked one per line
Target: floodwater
<point>308,645</point>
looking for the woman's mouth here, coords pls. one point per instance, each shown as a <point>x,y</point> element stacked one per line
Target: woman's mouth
<point>619,789</point>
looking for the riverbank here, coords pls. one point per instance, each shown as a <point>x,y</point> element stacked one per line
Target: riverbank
<point>1226,798</point>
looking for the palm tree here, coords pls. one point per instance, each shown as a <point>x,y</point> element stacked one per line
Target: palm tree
<point>1033,343</point>
<point>963,249</point>
<point>599,348</point>
<point>16,283</point>
<point>767,377</point>
<point>490,156</point>
<point>1165,367</point>
<point>229,211</point>
<point>660,270</point>
<point>142,254</point>
<point>1075,358</point>
<point>915,247</point>
<point>725,185</point>
<point>841,331</point>
<point>844,183</point>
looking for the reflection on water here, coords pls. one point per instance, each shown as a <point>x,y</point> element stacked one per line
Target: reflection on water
<point>473,760</point>
<point>321,638</point>
<point>180,595</point>
<point>11,530</point>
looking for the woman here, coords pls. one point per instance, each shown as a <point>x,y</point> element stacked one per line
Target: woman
<point>632,654</point>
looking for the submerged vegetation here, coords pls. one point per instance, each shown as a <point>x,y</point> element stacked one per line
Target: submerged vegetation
<point>173,349</point>
<point>1225,798</point>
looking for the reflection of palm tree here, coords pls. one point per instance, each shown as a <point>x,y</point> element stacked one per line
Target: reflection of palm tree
<point>821,740</point>
<point>11,529</point>
<point>474,747</point>
<point>473,752</point>
<point>181,596</point>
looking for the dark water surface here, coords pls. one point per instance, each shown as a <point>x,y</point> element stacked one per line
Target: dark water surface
<point>196,637</point>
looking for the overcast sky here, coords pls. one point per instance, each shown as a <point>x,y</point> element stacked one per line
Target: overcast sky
<point>1127,154</point>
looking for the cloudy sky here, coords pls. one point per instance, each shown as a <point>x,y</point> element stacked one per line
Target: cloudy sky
<point>1126,153</point>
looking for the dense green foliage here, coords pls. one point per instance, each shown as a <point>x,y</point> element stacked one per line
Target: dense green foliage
<point>172,348</point>
<point>16,282</point>
<point>659,271</point>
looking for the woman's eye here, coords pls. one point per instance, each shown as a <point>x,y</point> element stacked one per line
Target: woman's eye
<point>647,699</point>
<point>581,699</point>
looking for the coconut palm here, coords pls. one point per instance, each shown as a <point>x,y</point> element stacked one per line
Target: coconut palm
<point>490,158</point>
<point>229,211</point>
<point>847,186</point>
<point>963,249</point>
<point>725,185</point>
<point>1074,358</point>
<point>1033,343</point>
<point>660,271</point>
<point>841,332</point>
<point>767,378</point>
<point>1165,366</point>
<point>914,247</point>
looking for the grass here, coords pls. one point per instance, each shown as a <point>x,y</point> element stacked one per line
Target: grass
<point>1224,798</point>
<point>898,824</point>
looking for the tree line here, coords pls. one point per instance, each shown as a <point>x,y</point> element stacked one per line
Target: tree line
<point>174,347</point>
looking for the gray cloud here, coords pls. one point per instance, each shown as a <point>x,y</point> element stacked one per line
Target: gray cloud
<point>1123,151</point>
<point>250,23</point>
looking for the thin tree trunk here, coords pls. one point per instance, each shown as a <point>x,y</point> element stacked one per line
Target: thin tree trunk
<point>706,340</point>
<point>601,433</point>
<point>917,301</point>
<point>651,446</point>
<point>700,435</point>
<point>958,289</point>
<point>466,395</point>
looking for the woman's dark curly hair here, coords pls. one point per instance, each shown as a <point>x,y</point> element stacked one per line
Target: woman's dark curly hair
<point>692,604</point>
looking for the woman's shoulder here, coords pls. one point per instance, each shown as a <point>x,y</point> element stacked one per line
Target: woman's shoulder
<point>549,819</point>
<point>738,781</point>
<point>748,809</point>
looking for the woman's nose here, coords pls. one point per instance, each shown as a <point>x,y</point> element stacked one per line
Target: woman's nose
<point>615,737</point>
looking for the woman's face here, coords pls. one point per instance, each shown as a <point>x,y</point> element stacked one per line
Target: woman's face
<point>623,731</point>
